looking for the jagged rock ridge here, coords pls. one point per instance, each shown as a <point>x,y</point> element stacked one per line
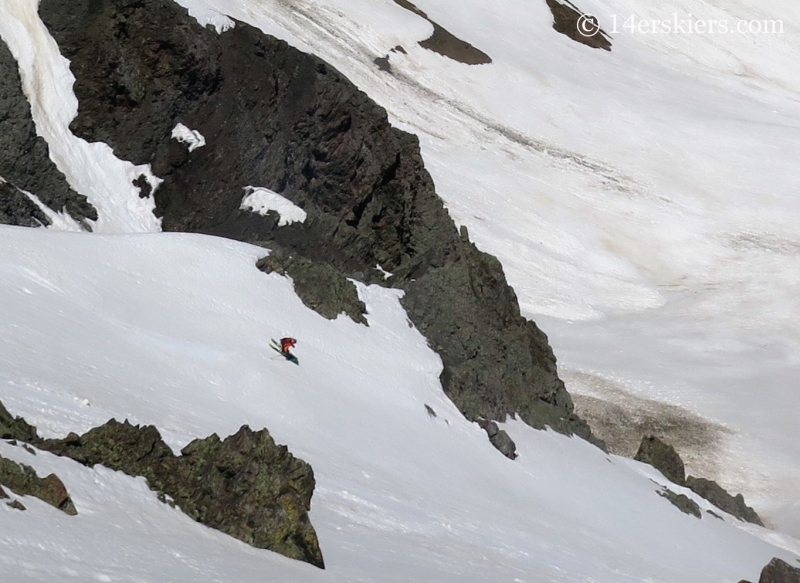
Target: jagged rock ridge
<point>25,160</point>
<point>277,118</point>
<point>246,485</point>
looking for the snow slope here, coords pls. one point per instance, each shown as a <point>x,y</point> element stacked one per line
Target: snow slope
<point>98,326</point>
<point>643,202</point>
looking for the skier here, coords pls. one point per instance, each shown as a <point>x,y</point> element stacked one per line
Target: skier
<point>286,344</point>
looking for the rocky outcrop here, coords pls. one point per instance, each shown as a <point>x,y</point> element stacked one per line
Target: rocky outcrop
<point>23,481</point>
<point>662,457</point>
<point>25,159</point>
<point>719,497</point>
<point>245,485</point>
<point>445,43</point>
<point>778,571</point>
<point>320,287</point>
<point>569,20</point>
<point>16,427</point>
<point>665,459</point>
<point>280,119</point>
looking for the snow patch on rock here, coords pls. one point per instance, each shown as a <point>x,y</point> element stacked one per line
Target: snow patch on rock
<point>186,136</point>
<point>205,15</point>
<point>262,200</point>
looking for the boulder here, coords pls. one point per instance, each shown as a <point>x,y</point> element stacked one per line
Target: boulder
<point>662,457</point>
<point>23,481</point>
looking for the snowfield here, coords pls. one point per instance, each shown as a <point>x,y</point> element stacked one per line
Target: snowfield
<point>643,202</point>
<point>122,326</point>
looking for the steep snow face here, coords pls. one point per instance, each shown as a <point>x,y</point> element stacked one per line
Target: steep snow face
<point>643,199</point>
<point>97,326</point>
<point>91,169</point>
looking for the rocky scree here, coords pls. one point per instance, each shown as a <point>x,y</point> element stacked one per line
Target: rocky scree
<point>25,160</point>
<point>246,485</point>
<point>276,118</point>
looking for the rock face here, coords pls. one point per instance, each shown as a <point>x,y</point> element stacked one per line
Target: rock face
<point>321,287</point>
<point>662,457</point>
<point>244,485</point>
<point>719,497</point>
<point>276,118</point>
<point>23,481</point>
<point>25,159</point>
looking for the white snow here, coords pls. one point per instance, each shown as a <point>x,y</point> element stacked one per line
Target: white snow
<point>643,202</point>
<point>91,169</point>
<point>193,138</point>
<point>263,200</point>
<point>97,326</point>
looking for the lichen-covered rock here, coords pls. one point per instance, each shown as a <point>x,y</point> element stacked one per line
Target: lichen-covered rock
<point>281,119</point>
<point>25,159</point>
<point>252,489</point>
<point>681,502</point>
<point>719,497</point>
<point>15,427</point>
<point>245,485</point>
<point>320,287</point>
<point>23,481</point>
<point>662,457</point>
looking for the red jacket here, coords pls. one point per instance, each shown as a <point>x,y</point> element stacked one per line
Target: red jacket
<point>287,343</point>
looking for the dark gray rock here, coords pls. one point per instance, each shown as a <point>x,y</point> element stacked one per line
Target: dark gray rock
<point>277,118</point>
<point>719,497</point>
<point>25,159</point>
<point>431,412</point>
<point>320,287</point>
<point>681,502</point>
<point>23,481</point>
<point>569,20</point>
<point>245,485</point>
<point>662,457</point>
<point>499,439</point>
<point>17,209</point>
<point>778,571</point>
<point>445,43</point>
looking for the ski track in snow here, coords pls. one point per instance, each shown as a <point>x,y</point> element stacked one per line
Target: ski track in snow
<point>642,202</point>
<point>95,326</point>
